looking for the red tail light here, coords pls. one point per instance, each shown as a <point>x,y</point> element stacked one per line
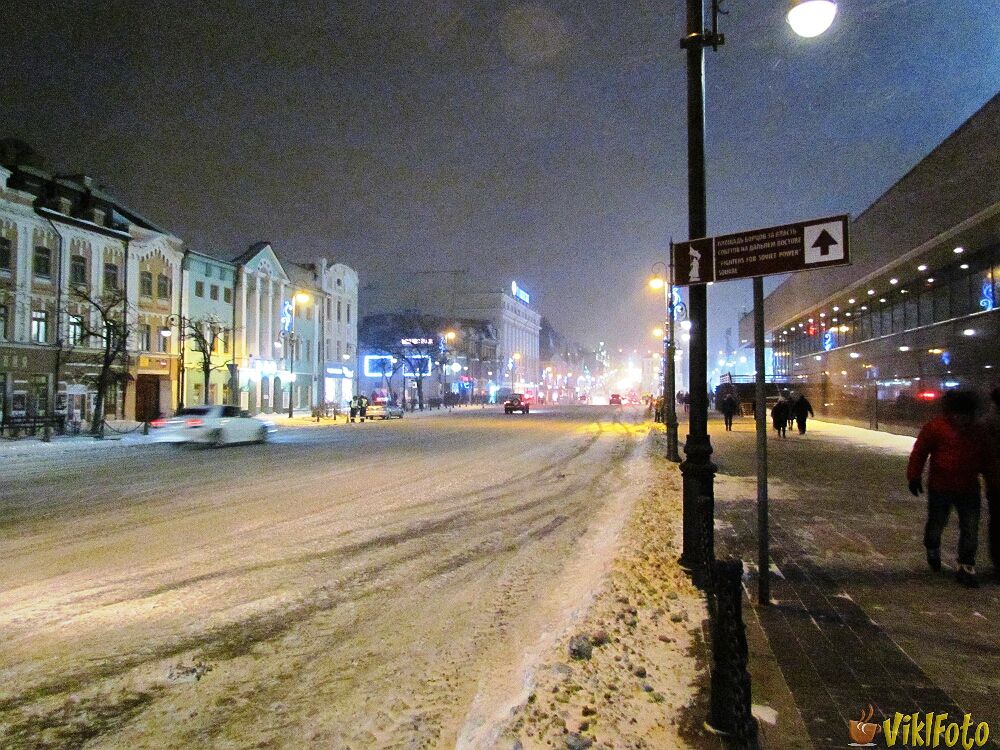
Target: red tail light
<point>195,422</point>
<point>157,423</point>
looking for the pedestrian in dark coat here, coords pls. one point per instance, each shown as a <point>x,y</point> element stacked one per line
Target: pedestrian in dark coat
<point>955,445</point>
<point>802,410</point>
<point>728,407</point>
<point>779,415</point>
<point>992,434</point>
<point>354,408</point>
<point>362,406</point>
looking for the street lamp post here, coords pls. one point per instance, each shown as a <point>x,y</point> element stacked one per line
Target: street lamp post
<point>697,468</point>
<point>807,18</point>
<point>291,339</point>
<point>175,320</point>
<point>669,357</point>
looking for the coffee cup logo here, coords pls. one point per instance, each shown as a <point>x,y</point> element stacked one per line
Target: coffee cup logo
<point>862,732</point>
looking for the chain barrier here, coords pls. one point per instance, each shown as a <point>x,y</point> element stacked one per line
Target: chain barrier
<point>105,425</point>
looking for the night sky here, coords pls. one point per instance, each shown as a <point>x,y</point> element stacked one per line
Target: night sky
<point>540,141</point>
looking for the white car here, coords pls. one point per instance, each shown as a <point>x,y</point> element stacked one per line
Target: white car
<point>212,425</point>
<point>384,411</point>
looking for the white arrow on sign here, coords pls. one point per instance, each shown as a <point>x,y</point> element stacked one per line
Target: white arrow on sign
<point>823,242</point>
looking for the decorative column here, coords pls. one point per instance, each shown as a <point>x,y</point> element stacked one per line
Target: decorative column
<point>256,315</point>
<point>268,349</point>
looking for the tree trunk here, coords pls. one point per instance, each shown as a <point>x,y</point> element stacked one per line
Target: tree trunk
<point>420,394</point>
<point>98,416</point>
<point>206,371</point>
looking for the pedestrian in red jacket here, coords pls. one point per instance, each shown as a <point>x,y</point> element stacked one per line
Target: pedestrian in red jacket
<point>957,458</point>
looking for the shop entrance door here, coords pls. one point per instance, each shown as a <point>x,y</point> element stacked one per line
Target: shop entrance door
<point>147,397</point>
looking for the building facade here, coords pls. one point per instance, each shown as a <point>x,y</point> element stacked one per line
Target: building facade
<point>457,295</point>
<point>205,331</point>
<point>878,342</point>
<point>77,268</point>
<point>296,332</point>
<point>67,248</point>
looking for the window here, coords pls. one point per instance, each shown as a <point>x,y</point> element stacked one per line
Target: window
<point>146,283</point>
<point>43,262</point>
<point>5,258</point>
<point>78,270</point>
<point>213,292</point>
<point>40,326</point>
<point>224,339</point>
<point>231,411</point>
<point>338,310</point>
<point>161,342</point>
<point>348,312</point>
<point>146,336</point>
<point>227,295</point>
<point>162,286</point>
<point>75,331</point>
<point>3,322</point>
<point>199,289</point>
<point>110,275</point>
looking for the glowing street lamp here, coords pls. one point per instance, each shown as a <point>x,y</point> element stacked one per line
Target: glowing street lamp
<point>810,18</point>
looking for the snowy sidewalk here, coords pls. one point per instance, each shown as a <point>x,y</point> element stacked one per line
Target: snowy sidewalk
<point>857,618</point>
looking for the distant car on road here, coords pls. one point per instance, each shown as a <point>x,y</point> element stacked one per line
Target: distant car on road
<point>211,425</point>
<point>384,411</point>
<point>516,402</point>
<point>615,400</point>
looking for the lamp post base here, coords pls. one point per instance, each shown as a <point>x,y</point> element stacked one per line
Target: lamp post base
<point>673,444</point>
<point>698,473</point>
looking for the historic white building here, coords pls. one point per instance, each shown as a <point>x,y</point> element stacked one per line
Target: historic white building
<point>296,331</point>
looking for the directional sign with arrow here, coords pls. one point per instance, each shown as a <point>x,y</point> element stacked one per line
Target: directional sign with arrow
<point>763,252</point>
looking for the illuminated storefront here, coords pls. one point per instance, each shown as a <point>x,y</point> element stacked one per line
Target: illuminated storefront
<point>879,342</point>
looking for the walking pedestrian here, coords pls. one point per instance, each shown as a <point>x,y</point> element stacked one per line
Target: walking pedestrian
<point>954,444</point>
<point>354,407</point>
<point>728,407</point>
<point>993,480</point>
<point>802,410</point>
<point>779,415</point>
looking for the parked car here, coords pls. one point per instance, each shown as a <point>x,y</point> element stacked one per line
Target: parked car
<point>615,400</point>
<point>212,425</point>
<point>384,411</point>
<point>516,402</point>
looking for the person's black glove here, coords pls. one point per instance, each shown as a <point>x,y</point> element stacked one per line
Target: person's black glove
<point>916,486</point>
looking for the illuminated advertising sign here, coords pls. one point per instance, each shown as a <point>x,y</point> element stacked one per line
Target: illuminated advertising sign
<point>519,293</point>
<point>379,365</point>
<point>417,342</point>
<point>286,316</point>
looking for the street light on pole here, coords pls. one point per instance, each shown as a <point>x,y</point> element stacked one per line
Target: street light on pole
<point>807,18</point>
<point>166,332</point>
<point>665,280</point>
<point>292,339</point>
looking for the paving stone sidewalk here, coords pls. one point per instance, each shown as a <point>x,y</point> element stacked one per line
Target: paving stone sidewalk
<point>857,617</point>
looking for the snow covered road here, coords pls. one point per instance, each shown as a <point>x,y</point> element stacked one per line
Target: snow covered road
<point>359,586</point>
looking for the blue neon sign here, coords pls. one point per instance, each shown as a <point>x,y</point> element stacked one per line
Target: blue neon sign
<point>519,293</point>
<point>986,300</point>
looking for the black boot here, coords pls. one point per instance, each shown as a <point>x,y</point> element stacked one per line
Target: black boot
<point>966,576</point>
<point>934,560</point>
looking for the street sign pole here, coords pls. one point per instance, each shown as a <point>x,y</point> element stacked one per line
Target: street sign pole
<point>760,417</point>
